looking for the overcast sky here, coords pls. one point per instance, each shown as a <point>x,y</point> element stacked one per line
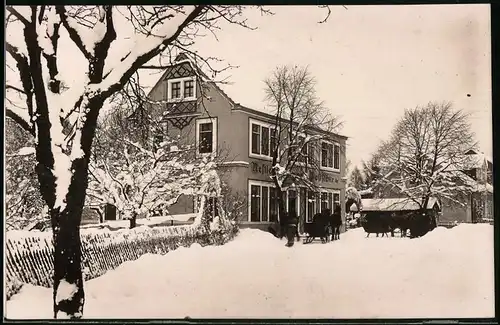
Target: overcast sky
<point>370,62</point>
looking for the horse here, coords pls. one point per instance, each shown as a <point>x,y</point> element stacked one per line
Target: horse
<point>336,222</point>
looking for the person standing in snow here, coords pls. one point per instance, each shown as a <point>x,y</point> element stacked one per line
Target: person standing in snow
<point>292,222</point>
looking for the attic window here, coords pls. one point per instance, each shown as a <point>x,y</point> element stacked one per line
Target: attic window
<point>181,89</point>
<point>175,90</point>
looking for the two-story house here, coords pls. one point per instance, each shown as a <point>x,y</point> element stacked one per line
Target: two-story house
<point>197,110</point>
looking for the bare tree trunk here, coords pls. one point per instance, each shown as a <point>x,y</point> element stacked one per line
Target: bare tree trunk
<point>68,292</point>
<point>133,220</point>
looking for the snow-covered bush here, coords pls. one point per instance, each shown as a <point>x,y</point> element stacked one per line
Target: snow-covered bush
<point>138,180</point>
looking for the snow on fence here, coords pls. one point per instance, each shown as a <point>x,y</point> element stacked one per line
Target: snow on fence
<point>29,255</point>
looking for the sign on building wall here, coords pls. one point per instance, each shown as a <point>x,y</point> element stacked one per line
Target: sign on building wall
<point>264,169</point>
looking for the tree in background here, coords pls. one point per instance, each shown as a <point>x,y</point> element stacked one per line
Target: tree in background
<point>23,202</point>
<point>425,154</point>
<point>294,145</point>
<point>356,178</point>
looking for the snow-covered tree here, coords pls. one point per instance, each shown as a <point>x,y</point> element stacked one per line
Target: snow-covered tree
<point>371,171</point>
<point>59,106</point>
<point>23,202</point>
<point>353,197</point>
<point>295,140</point>
<point>356,178</point>
<point>139,181</point>
<point>235,203</point>
<point>425,155</point>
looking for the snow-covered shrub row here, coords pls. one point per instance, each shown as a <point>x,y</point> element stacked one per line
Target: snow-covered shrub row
<point>29,255</point>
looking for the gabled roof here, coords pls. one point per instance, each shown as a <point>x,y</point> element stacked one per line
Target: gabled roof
<point>394,204</point>
<point>183,58</point>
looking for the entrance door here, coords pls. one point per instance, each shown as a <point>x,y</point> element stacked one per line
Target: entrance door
<point>293,202</point>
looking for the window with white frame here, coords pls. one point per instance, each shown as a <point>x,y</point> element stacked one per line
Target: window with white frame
<point>330,155</point>
<point>206,135</point>
<point>326,199</point>
<point>189,89</point>
<point>336,200</point>
<point>316,202</point>
<point>312,205</point>
<point>262,139</point>
<point>329,199</point>
<point>273,204</point>
<point>263,202</point>
<point>336,157</point>
<point>181,89</point>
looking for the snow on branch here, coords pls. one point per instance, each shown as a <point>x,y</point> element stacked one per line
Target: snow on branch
<point>147,46</point>
<point>149,180</point>
<point>425,155</point>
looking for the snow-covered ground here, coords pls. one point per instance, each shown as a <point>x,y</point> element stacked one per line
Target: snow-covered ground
<point>447,273</point>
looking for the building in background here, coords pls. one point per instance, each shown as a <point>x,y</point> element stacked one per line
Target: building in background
<point>202,114</point>
<point>478,205</point>
<point>472,207</point>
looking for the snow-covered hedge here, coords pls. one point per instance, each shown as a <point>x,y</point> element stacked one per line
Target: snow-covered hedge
<point>29,255</point>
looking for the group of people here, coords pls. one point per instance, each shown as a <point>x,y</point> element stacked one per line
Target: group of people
<point>324,224</point>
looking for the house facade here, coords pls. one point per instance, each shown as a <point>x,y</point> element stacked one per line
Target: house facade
<point>201,114</point>
<point>477,206</point>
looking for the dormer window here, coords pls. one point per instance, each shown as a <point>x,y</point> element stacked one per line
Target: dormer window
<point>188,88</point>
<point>176,90</point>
<point>181,89</point>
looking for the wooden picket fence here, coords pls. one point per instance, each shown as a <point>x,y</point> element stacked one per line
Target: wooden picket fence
<point>29,257</point>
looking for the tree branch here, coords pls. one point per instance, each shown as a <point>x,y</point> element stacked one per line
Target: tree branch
<point>18,15</point>
<point>73,33</point>
<point>146,57</point>
<point>20,121</point>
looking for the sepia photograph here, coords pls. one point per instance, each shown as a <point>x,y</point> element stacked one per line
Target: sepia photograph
<point>248,162</point>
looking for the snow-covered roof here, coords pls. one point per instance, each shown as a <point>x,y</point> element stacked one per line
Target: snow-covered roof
<point>365,192</point>
<point>474,185</point>
<point>477,159</point>
<point>393,204</point>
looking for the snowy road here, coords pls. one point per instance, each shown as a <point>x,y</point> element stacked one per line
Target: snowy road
<point>447,273</point>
